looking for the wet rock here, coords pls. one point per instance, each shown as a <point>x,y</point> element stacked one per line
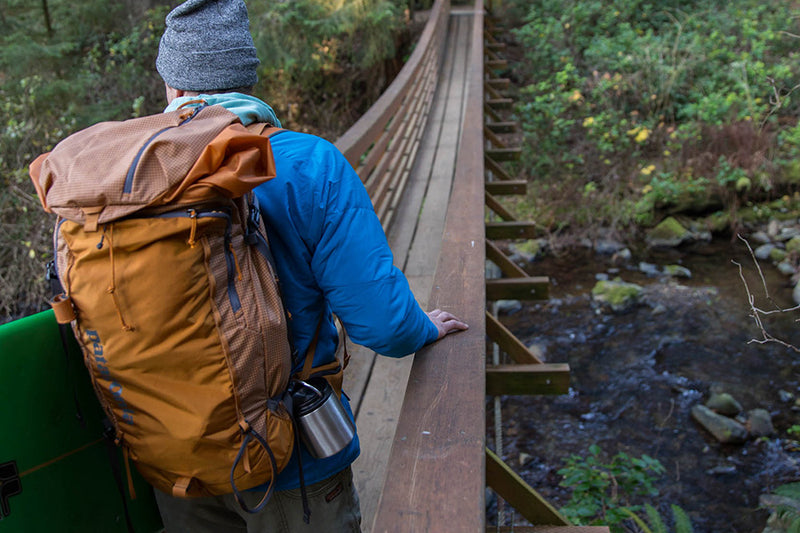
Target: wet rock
<point>602,276</point>
<point>608,246</point>
<point>508,307</point>
<point>618,295</point>
<point>723,429</point>
<point>776,255</point>
<point>759,423</point>
<point>786,268</point>
<point>492,271</point>
<point>649,269</point>
<point>721,470</point>
<point>763,251</point>
<point>793,245</point>
<point>677,271</point>
<point>622,256</point>
<point>701,235</point>
<point>760,237</point>
<point>773,227</point>
<point>528,251</point>
<point>668,233</point>
<point>785,396</point>
<point>538,350</point>
<point>788,233</point>
<point>724,404</point>
<point>796,294</point>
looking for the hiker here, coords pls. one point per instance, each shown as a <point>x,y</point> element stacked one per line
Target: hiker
<point>330,253</point>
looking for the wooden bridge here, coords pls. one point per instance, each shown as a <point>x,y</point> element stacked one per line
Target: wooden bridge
<point>431,153</point>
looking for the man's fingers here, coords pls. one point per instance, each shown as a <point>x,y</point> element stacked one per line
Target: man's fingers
<point>446,322</point>
<point>454,324</point>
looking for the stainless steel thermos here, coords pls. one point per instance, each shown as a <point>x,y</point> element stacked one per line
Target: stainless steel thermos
<point>325,426</point>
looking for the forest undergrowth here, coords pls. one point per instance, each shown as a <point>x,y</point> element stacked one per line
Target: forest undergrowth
<point>67,65</point>
<point>633,110</point>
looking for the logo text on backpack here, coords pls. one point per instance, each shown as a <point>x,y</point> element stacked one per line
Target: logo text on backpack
<point>99,355</point>
<point>102,368</point>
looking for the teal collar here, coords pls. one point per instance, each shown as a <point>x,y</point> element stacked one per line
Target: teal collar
<point>248,108</point>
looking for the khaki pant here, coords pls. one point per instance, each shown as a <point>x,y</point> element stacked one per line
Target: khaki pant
<point>333,502</point>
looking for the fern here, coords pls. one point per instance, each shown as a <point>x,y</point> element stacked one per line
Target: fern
<point>785,505</point>
<point>656,523</point>
<point>682,522</point>
<point>790,490</point>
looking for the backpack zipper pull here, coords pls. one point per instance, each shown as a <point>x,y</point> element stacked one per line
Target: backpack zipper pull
<point>193,232</point>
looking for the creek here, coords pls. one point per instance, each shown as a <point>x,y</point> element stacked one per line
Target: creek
<point>636,375</point>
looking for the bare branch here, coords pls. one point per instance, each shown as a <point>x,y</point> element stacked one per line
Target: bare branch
<point>760,273</point>
<point>755,312</point>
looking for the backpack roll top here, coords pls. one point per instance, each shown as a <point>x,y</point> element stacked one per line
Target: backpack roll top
<point>114,169</point>
<point>164,260</point>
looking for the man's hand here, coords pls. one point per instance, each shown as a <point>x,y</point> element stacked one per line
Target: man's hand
<point>446,323</point>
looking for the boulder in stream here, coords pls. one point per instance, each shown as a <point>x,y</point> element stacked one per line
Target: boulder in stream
<point>763,252</point>
<point>617,294</point>
<point>724,429</point>
<point>668,233</point>
<point>677,271</point>
<point>776,255</point>
<point>759,423</point>
<point>793,245</point>
<point>724,404</point>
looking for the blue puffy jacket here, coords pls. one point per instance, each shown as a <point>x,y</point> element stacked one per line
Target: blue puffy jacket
<point>332,256</point>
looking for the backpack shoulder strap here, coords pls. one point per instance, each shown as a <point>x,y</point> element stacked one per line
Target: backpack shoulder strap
<point>265,129</point>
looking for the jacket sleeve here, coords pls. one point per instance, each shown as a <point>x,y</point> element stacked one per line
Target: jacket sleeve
<point>353,265</point>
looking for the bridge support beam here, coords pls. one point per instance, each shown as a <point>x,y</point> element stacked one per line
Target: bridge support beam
<point>524,380</point>
<point>513,489</point>
<point>512,230</point>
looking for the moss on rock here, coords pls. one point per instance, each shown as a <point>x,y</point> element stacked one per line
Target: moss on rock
<point>669,232</point>
<point>617,294</point>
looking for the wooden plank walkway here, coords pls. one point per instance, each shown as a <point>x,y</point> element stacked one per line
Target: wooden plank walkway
<point>377,384</point>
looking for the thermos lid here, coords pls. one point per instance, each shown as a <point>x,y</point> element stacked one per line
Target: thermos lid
<point>310,395</point>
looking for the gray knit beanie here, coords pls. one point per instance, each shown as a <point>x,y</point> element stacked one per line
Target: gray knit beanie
<point>207,46</point>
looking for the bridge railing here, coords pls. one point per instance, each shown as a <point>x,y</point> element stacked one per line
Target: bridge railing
<point>436,472</point>
<point>382,144</point>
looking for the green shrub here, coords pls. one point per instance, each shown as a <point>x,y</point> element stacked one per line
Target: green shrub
<point>605,492</point>
<point>631,94</point>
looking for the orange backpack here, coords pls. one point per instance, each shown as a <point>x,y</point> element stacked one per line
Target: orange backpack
<point>167,283</point>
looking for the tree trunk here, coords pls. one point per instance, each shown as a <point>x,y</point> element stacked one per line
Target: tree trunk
<point>47,24</point>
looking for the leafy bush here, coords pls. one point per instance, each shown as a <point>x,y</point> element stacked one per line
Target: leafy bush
<point>632,94</point>
<point>607,492</point>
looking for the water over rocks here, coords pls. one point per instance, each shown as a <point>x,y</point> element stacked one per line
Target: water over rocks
<point>639,373</point>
